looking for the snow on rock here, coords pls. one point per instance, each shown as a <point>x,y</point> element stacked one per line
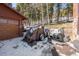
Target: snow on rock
<point>53,31</point>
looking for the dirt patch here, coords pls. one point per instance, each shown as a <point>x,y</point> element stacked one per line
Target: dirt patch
<point>65,49</point>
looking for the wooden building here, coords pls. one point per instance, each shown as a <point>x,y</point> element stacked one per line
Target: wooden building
<point>10,22</point>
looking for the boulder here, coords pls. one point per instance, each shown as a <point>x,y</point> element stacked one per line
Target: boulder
<point>57,34</point>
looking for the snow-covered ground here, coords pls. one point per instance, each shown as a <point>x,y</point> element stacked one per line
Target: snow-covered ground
<point>16,47</point>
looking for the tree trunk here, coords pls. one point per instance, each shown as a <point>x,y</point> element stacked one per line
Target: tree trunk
<point>47,13</point>
<point>68,12</point>
<point>42,13</point>
<point>58,12</point>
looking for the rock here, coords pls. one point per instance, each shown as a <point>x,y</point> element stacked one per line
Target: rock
<point>42,37</point>
<point>53,31</point>
<point>49,50</point>
<point>54,52</point>
<point>1,45</point>
<point>39,44</point>
<point>57,34</point>
<point>66,39</point>
<point>46,52</point>
<point>33,43</point>
<point>60,37</point>
<point>35,48</point>
<point>15,47</point>
<point>45,40</point>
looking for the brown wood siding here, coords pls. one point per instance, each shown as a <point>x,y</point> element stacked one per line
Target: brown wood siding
<point>10,22</point>
<point>20,28</point>
<point>8,31</point>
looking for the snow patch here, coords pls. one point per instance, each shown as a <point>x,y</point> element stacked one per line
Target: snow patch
<point>17,47</point>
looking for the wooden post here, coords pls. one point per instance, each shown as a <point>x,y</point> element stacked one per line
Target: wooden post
<point>75,20</point>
